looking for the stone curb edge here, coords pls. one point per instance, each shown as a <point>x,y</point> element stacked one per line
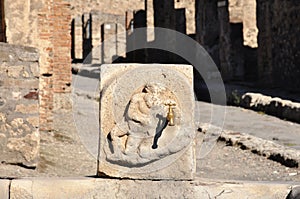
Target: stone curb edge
<point>117,188</point>
<point>275,106</point>
<point>271,150</point>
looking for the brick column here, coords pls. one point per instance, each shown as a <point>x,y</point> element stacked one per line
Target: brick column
<point>54,21</point>
<point>61,47</point>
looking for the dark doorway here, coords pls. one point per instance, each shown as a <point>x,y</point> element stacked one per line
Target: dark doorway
<point>2,22</point>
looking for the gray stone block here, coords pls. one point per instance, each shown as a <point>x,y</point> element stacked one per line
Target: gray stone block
<point>138,106</point>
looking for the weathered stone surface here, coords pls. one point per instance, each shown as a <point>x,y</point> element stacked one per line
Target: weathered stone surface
<point>135,140</point>
<point>278,51</point>
<point>112,188</point>
<point>19,138</point>
<point>295,193</point>
<point>272,105</point>
<point>4,189</point>
<point>282,154</point>
<point>21,189</point>
<point>15,53</point>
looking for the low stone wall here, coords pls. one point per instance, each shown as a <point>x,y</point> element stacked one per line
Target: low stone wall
<point>19,105</point>
<point>281,108</point>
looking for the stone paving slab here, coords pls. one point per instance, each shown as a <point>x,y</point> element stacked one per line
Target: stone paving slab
<point>4,189</point>
<point>115,188</point>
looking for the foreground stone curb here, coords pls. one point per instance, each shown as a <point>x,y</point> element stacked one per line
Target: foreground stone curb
<point>286,156</point>
<point>4,189</point>
<point>115,188</point>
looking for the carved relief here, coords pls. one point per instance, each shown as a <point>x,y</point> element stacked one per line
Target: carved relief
<point>146,121</point>
<point>135,140</point>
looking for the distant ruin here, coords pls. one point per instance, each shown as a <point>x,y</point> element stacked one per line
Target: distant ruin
<point>252,41</point>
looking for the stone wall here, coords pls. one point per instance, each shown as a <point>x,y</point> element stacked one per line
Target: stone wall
<point>227,30</point>
<point>19,106</point>
<point>45,25</point>
<point>279,52</point>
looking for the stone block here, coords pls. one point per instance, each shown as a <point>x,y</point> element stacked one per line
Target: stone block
<point>57,188</point>
<point>27,109</point>
<point>21,189</point>
<point>4,189</point>
<point>147,121</point>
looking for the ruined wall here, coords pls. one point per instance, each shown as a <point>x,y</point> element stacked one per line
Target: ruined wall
<point>45,25</point>
<point>117,7</point>
<point>244,11</point>
<point>19,107</point>
<point>22,22</point>
<point>190,13</point>
<point>279,52</point>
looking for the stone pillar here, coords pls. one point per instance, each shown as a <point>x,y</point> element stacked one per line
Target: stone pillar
<point>87,38</point>
<point>250,30</point>
<point>147,122</point>
<point>121,40</point>
<point>130,41</point>
<point>224,41</point>
<point>109,42</point>
<point>78,37</point>
<point>96,36</point>
<point>150,19</point>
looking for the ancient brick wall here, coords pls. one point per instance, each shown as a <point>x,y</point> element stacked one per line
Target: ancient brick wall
<point>55,44</point>
<point>279,52</point>
<point>46,25</point>
<point>19,106</point>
